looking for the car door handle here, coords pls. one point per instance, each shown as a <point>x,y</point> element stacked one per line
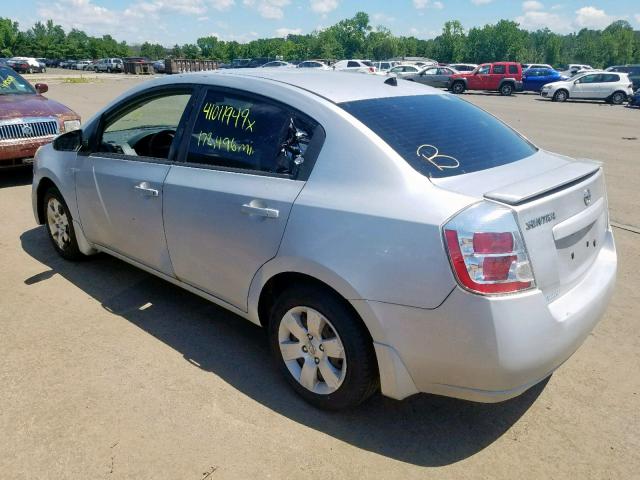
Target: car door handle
<point>146,190</point>
<point>249,209</point>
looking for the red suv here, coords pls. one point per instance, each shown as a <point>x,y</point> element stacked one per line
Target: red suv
<point>503,77</point>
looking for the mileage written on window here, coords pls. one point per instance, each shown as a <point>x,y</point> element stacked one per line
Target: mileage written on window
<point>237,132</point>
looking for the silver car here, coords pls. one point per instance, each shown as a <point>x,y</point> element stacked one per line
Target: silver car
<point>387,235</point>
<point>433,76</point>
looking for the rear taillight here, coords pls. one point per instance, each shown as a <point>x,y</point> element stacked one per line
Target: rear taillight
<point>372,69</point>
<point>486,250</point>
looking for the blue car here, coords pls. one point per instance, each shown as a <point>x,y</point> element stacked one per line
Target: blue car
<point>534,79</point>
<point>634,100</point>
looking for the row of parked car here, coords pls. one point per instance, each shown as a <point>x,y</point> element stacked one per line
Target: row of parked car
<point>25,64</point>
<point>615,84</point>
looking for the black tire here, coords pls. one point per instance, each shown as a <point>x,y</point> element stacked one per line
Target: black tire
<point>560,96</point>
<point>458,88</point>
<point>361,379</point>
<point>618,98</point>
<point>69,250</point>
<point>506,90</point>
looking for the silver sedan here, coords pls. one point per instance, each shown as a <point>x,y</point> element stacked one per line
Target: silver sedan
<point>386,235</point>
<point>433,76</point>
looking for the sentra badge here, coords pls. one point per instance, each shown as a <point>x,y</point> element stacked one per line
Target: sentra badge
<point>536,222</point>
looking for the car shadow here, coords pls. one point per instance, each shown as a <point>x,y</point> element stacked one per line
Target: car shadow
<point>600,103</point>
<point>15,177</point>
<point>425,430</point>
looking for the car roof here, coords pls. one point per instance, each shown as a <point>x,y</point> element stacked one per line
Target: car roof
<point>334,86</point>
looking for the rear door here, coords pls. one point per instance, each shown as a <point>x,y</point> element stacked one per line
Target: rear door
<point>498,72</point>
<point>226,204</point>
<point>119,185</point>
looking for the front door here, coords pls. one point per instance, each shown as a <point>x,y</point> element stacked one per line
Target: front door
<point>120,184</point>
<point>481,79</point>
<point>227,205</point>
<point>587,86</point>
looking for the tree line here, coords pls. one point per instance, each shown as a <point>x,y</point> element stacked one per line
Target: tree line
<point>350,38</point>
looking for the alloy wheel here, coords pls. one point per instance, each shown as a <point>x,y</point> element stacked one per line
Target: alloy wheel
<point>617,98</point>
<point>312,350</point>
<point>58,222</point>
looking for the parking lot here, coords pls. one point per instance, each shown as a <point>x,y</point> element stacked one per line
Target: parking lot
<point>109,372</point>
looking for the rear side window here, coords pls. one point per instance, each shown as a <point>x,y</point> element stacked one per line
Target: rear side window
<point>499,69</point>
<point>250,133</point>
<point>441,135</point>
<point>513,69</point>
<point>610,77</point>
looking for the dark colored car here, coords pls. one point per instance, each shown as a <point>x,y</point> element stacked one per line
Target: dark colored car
<point>503,77</point>
<point>19,66</point>
<point>534,79</point>
<point>632,70</point>
<point>634,100</point>
<point>433,76</point>
<point>27,119</point>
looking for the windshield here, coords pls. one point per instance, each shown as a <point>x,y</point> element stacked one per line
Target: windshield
<point>12,83</point>
<point>441,135</point>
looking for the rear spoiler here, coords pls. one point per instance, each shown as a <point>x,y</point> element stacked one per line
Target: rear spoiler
<point>545,183</point>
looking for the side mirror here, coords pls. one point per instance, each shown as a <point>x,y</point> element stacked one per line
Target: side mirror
<point>69,142</point>
<point>42,88</point>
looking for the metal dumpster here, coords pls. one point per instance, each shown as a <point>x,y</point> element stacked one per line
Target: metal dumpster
<point>183,65</point>
<point>138,67</point>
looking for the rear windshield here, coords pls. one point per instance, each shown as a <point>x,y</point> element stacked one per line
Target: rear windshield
<point>441,135</point>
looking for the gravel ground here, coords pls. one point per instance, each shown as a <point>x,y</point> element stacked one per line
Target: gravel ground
<point>108,372</point>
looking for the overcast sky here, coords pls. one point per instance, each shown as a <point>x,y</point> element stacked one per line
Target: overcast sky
<point>182,21</point>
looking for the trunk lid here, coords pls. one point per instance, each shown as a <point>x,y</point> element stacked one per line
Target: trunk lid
<point>561,209</point>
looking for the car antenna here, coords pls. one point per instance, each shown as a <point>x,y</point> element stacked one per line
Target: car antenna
<point>393,81</point>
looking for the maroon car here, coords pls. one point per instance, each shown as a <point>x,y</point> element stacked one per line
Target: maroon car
<point>27,119</point>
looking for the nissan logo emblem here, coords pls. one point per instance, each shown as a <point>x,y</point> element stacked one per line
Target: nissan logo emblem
<point>587,197</point>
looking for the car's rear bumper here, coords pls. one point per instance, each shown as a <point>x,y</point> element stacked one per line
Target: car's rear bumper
<point>489,349</point>
<point>14,153</point>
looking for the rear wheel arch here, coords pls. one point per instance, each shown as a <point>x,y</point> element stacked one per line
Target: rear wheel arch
<point>618,92</point>
<point>510,83</point>
<point>280,282</point>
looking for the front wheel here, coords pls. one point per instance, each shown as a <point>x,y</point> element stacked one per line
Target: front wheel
<point>560,96</point>
<point>506,90</point>
<point>60,226</point>
<point>323,349</point>
<point>618,98</point>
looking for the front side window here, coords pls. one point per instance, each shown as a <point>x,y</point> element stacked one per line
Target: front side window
<point>484,69</point>
<point>589,79</point>
<point>12,83</point>
<point>352,64</point>
<point>146,130</point>
<point>431,71</point>
<point>418,128</point>
<point>245,132</point>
